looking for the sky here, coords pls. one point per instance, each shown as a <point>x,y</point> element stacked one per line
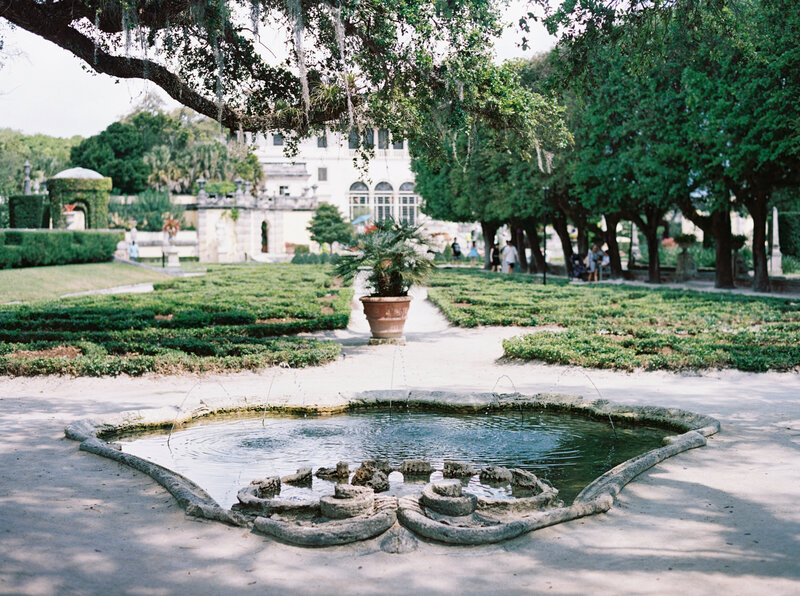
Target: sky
<point>45,89</point>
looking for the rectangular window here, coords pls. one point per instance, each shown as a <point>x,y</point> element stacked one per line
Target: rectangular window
<point>383,208</point>
<point>322,141</point>
<point>283,191</point>
<point>398,144</point>
<point>352,140</point>
<point>277,139</point>
<point>383,139</point>
<point>369,138</point>
<point>359,205</point>
<point>408,209</point>
<point>322,174</point>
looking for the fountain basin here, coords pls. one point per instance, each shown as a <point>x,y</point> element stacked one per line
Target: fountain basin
<point>515,517</point>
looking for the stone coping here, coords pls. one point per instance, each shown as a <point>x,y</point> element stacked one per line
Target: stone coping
<point>597,497</point>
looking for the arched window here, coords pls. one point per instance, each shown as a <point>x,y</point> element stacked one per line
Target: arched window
<point>408,203</point>
<point>384,201</point>
<point>359,200</point>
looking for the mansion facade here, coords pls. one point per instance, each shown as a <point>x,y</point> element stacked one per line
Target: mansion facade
<point>327,169</point>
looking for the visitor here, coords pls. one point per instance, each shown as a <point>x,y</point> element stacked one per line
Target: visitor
<point>456,248</point>
<point>133,251</point>
<point>510,257</point>
<point>593,260</point>
<point>494,257</point>
<point>473,253</point>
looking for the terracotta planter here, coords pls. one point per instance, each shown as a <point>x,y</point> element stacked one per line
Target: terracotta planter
<point>386,316</point>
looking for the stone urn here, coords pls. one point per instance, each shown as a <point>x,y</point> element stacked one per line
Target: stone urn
<point>386,315</point>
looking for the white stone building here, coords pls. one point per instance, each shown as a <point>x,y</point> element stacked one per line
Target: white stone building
<point>325,170</point>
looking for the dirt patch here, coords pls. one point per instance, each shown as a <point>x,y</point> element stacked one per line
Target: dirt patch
<point>328,298</point>
<point>327,310</point>
<point>275,321</point>
<point>462,304</point>
<point>164,317</point>
<point>66,352</point>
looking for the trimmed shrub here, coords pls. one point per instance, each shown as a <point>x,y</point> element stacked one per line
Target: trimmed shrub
<point>230,319</point>
<point>92,193</point>
<point>789,234</point>
<point>29,211</point>
<point>55,247</point>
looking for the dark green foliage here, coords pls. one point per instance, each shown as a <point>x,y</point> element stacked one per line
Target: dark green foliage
<point>302,258</point>
<point>327,226</point>
<point>229,319</point>
<point>29,211</point>
<point>117,151</point>
<point>148,210</point>
<point>789,233</point>
<point>626,327</point>
<point>55,247</point>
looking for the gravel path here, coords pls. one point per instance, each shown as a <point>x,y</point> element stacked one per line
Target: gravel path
<point>722,519</point>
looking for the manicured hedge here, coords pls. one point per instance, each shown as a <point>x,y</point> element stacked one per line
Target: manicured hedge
<point>625,327</point>
<point>92,193</point>
<point>29,211</point>
<point>38,248</point>
<point>229,319</point>
<point>789,233</point>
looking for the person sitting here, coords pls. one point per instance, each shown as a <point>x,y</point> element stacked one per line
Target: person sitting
<point>579,269</point>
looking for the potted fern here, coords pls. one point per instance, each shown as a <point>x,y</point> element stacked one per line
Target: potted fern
<point>396,257</point>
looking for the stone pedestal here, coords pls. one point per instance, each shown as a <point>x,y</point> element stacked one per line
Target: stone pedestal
<point>172,256</point>
<point>685,268</point>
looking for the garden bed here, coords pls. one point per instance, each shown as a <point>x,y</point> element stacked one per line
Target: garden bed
<point>626,327</point>
<point>233,318</point>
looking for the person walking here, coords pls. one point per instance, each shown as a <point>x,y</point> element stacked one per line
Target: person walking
<point>133,251</point>
<point>456,248</point>
<point>494,257</point>
<point>510,257</point>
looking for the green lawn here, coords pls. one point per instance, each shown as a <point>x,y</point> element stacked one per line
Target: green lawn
<point>232,318</point>
<point>46,283</point>
<point>626,327</point>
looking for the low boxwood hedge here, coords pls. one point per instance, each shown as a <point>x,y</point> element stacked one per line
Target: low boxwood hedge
<point>229,319</point>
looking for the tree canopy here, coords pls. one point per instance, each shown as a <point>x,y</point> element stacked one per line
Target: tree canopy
<point>335,64</point>
<point>166,151</point>
<point>327,226</point>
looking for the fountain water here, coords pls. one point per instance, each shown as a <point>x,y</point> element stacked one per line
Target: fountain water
<point>185,397</point>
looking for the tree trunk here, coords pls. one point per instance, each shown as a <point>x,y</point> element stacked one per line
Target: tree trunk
<point>650,230</point>
<point>518,239</point>
<point>613,246</point>
<point>489,230</point>
<point>537,263</point>
<point>757,207</point>
<point>721,229</point>
<point>653,262</point>
<point>583,241</point>
<point>560,225</point>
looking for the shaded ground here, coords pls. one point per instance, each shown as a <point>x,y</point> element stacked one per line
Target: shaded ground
<point>721,518</point>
